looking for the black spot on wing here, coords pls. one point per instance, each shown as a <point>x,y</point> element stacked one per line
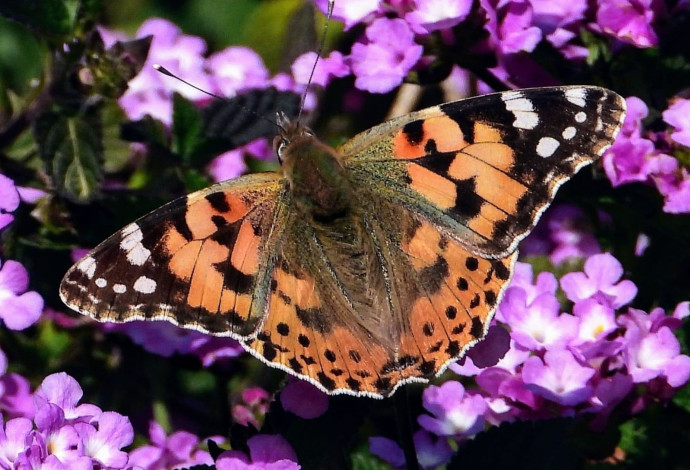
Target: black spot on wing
<point>218,201</point>
<point>313,318</point>
<point>414,132</point>
<point>432,277</point>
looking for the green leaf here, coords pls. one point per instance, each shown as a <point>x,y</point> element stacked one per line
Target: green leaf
<point>72,150</point>
<point>186,128</point>
<point>362,460</point>
<point>50,17</point>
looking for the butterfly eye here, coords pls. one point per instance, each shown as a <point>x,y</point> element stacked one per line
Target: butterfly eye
<point>279,144</point>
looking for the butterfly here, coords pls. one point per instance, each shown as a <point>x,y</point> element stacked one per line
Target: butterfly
<point>365,267</point>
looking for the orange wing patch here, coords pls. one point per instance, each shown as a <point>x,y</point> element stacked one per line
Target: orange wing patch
<point>459,294</point>
<point>300,337</point>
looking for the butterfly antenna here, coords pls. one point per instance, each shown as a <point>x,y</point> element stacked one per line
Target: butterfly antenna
<point>167,72</point>
<point>329,13</point>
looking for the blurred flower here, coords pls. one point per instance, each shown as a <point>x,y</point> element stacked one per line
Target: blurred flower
<point>431,15</point>
<point>18,309</point>
<point>510,26</point>
<point>178,450</point>
<point>252,407</point>
<point>599,281</point>
<point>560,23</point>
<point>432,452</point>
<point>628,20</point>
<point>389,54</point>
<point>9,200</point>
<point>456,413</point>
<point>266,452</point>
<point>327,68</point>
<point>235,69</point>
<point>303,399</point>
<point>562,234</point>
<point>350,12</point>
<point>678,116</point>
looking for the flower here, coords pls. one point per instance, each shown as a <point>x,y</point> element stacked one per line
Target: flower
<point>390,53</point>
<point>431,15</point>
<point>432,452</point>
<point>678,116</point>
<point>18,309</point>
<point>628,20</point>
<point>326,69</point>
<point>456,413</point>
<point>510,26</point>
<point>9,200</point>
<point>559,377</point>
<point>179,449</point>
<point>350,12</point>
<point>599,281</point>
<point>266,452</point>
<point>252,407</point>
<point>303,399</point>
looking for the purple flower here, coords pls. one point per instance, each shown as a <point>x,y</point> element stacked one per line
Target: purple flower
<point>16,399</point>
<point>599,281</point>
<point>350,12</point>
<point>235,69</point>
<point>327,68</point>
<point>431,15</point>
<point>510,26</point>
<point>537,324</point>
<point>228,165</point>
<point>563,234</point>
<point>150,92</point>
<point>628,20</point>
<point>303,399</point>
<point>676,191</point>
<point>266,452</point>
<point>596,320</point>
<point>14,436</point>
<point>636,159</point>
<point>18,309</point>
<point>678,116</point>
<point>560,24</point>
<point>456,413</point>
<point>432,452</point>
<point>103,440</point>
<point>9,200</point>
<point>651,354</point>
<point>252,407</point>
<point>389,54</point>
<point>177,450</point>
<point>62,390</point>
<point>559,378</point>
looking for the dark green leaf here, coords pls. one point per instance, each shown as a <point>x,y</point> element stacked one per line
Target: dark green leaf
<point>50,17</point>
<point>363,460</point>
<point>72,150</point>
<point>186,128</point>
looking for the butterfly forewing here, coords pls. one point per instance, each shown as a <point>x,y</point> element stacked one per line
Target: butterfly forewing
<point>486,167</point>
<point>197,262</point>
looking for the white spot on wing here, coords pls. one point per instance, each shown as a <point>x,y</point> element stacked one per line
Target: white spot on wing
<point>145,285</point>
<point>576,96</point>
<point>137,254</point>
<point>569,132</point>
<point>547,146</point>
<point>581,117</point>
<point>522,109</point>
<point>87,266</point>
<point>100,282</point>
<point>119,288</point>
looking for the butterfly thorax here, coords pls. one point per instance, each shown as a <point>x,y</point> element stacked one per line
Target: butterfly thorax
<point>317,178</point>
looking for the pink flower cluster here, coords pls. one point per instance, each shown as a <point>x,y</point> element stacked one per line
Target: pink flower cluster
<point>639,155</point>
<point>590,359</point>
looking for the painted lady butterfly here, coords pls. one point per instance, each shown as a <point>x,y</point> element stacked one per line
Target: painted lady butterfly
<point>365,267</point>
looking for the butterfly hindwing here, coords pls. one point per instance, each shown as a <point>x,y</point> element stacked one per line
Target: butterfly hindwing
<point>486,167</point>
<point>197,262</point>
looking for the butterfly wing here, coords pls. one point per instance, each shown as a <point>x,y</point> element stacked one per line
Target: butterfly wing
<point>196,262</point>
<point>485,168</point>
